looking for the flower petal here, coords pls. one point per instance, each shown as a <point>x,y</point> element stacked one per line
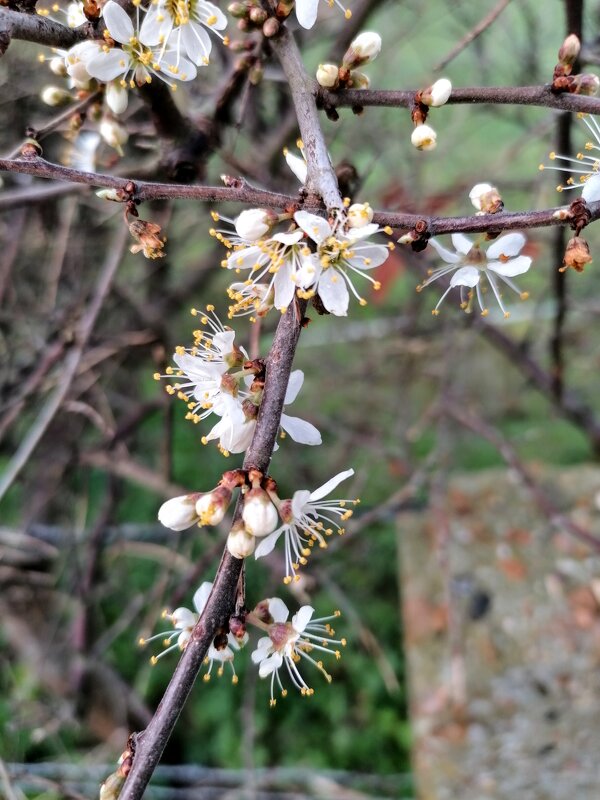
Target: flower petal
<point>268,543</point>
<point>324,490</point>
<point>108,66</point>
<point>316,227</point>
<point>284,286</point>
<point>465,276</point>
<point>301,619</point>
<point>278,610</point>
<point>297,165</point>
<point>288,238</point>
<point>591,189</point>
<point>306,12</point>
<point>299,501</point>
<point>509,245</point>
<point>294,385</point>
<point>512,267</point>
<point>117,22</point>
<point>461,243</point>
<point>201,596</point>
<point>448,256</point>
<point>300,430</point>
<point>369,256</point>
<point>333,292</point>
<point>270,664</point>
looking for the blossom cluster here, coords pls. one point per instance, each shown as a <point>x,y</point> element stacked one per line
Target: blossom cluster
<point>215,376</point>
<point>313,258</point>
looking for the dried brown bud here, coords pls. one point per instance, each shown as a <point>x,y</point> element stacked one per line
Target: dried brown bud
<point>91,9</point>
<point>147,235</point>
<point>577,254</point>
<point>270,28</point>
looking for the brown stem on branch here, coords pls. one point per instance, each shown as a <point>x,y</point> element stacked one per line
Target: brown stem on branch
<point>41,30</point>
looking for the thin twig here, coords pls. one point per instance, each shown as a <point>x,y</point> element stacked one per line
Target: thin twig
<point>469,37</point>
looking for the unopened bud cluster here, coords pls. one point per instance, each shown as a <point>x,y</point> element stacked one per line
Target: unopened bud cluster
<point>424,136</point>
<point>364,49</point>
<point>585,83</point>
<point>251,15</point>
<point>208,508</point>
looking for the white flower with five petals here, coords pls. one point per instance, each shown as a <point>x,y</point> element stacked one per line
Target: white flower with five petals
<point>471,266</point>
<point>183,25</point>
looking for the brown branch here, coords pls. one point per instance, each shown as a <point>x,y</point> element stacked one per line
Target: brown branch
<point>41,30</point>
<point>496,95</point>
<point>471,35</point>
<point>239,191</point>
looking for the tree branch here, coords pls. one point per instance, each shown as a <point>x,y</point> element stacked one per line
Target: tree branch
<point>41,30</point>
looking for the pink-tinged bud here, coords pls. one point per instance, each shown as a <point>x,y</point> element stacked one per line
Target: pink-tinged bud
<point>259,514</point>
<point>365,48</point>
<point>359,215</point>
<point>261,611</point>
<point>438,94</point>
<point>577,254</point>
<point>211,507</point>
<point>237,628</point>
<point>270,28</point>
<point>238,10</point>
<point>240,544</point>
<point>179,513</point>
<point>569,50</point>
<point>258,15</point>
<point>486,198</point>
<point>424,138</point>
<point>254,223</point>
<point>328,76</point>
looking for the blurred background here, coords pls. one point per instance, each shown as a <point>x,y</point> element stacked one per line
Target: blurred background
<point>418,405</point>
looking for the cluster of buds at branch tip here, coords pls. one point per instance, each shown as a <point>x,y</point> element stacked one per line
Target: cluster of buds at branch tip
<point>364,49</point>
<point>251,15</point>
<point>577,255</point>
<point>486,199</point>
<point>199,508</point>
<point>584,83</point>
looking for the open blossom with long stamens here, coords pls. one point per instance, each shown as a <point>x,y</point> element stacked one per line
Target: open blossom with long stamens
<point>183,25</point>
<point>184,621</point>
<point>587,167</point>
<point>307,10</point>
<point>307,519</point>
<point>138,60</point>
<point>287,643</point>
<point>470,267</point>
<point>341,253</point>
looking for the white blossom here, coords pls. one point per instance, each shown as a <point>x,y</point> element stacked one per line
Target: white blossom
<point>287,643</point>
<point>587,167</point>
<point>138,60</point>
<point>469,265</point>
<point>438,94</point>
<point>359,215</point>
<point>183,25</point>
<point>307,520</point>
<point>179,513</point>
<point>328,76</point>
<point>259,514</point>
<point>424,137</point>
<point>240,544</point>
<point>364,49</point>
<point>184,621</point>
<point>254,223</point>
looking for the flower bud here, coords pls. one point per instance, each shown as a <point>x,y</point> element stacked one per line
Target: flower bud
<point>254,223</point>
<point>438,94</point>
<point>238,10</point>
<point>114,134</point>
<point>424,137</point>
<point>359,215</point>
<point>58,67</point>
<point>53,96</point>
<point>240,544</point>
<point>365,48</point>
<point>569,50</point>
<point>259,514</point>
<point>211,507</point>
<point>586,84</point>
<point>258,15</point>
<point>110,194</point>
<point>179,513</point>
<point>116,97</point>
<point>358,80</point>
<point>486,198</point>
<point>577,254</point>
<point>328,76</point>
<point>270,28</point>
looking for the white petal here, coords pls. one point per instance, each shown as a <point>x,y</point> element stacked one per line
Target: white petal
<point>278,610</point>
<point>297,165</point>
<point>247,258</point>
<point>461,243</point>
<point>374,254</point>
<point>270,665</point>
<point>205,11</point>
<point>284,287</point>
<point>299,501</point>
<point>301,619</point>
<point>448,256</point>
<point>154,28</point>
<point>116,98</point>
<point>306,12</point>
<point>288,238</point>
<point>316,227</point>
<point>201,596</point>
<point>183,618</point>
<point>509,245</point>
<point>324,490</point>
<point>197,43</point>
<point>267,544</point>
<point>186,71</point>
<point>465,276</point>
<point>294,385</point>
<point>300,430</point>
<point>333,292</point>
<point>309,271</point>
<point>362,233</point>
<point>263,646</point>
<point>108,66</point>
<point>118,23</point>
<point>591,189</point>
<point>515,266</point>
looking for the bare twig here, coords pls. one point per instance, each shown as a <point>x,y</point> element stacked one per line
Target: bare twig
<point>469,37</point>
